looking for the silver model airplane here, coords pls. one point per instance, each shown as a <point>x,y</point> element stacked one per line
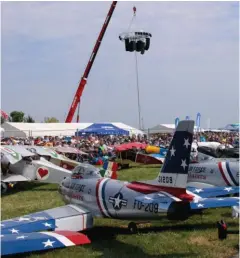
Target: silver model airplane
<point>52,156</point>
<point>208,171</point>
<point>88,195</point>
<point>24,163</point>
<point>18,165</point>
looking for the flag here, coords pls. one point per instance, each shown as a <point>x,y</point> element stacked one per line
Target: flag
<point>198,120</point>
<point>176,122</point>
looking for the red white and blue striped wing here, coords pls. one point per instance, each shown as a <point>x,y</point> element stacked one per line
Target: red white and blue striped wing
<point>22,234</point>
<point>29,242</point>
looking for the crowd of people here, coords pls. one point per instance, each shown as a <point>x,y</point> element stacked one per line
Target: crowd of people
<point>91,142</point>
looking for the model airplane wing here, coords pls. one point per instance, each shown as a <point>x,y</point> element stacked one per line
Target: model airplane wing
<point>29,242</point>
<point>68,217</point>
<point>213,191</point>
<point>214,203</point>
<point>9,156</point>
<point>14,178</point>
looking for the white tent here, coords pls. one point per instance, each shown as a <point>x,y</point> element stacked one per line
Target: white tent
<point>52,129</point>
<point>167,128</point>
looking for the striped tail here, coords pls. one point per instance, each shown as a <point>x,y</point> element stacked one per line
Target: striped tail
<point>109,170</point>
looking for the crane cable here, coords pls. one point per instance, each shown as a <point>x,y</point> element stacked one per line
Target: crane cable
<point>133,17</point>
<point>136,70</point>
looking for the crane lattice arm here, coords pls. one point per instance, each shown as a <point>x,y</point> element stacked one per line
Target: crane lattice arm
<point>84,78</point>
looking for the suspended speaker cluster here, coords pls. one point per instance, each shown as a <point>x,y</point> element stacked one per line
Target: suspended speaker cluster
<point>136,41</point>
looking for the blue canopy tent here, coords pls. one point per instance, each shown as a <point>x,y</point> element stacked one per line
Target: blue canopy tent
<point>102,129</point>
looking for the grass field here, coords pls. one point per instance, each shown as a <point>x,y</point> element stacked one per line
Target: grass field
<point>196,237</point>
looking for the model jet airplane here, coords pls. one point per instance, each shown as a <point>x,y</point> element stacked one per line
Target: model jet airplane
<point>88,195</point>
<point>204,170</point>
<point>209,171</point>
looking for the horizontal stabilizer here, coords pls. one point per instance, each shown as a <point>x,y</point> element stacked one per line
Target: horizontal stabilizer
<point>214,203</point>
<point>213,191</point>
<point>29,242</point>
<point>163,200</point>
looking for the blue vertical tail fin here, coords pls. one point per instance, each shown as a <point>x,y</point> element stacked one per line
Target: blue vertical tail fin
<point>174,171</point>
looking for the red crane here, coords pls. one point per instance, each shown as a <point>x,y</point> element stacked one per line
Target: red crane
<point>83,81</point>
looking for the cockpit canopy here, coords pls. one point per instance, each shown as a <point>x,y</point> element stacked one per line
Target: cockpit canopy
<point>84,171</point>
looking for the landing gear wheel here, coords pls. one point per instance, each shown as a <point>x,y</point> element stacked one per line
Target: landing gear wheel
<point>132,227</point>
<point>4,187</point>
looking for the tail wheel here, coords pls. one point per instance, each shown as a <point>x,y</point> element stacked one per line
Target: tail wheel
<point>132,227</point>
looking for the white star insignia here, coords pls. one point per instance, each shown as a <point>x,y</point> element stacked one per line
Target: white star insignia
<point>184,165</point>
<point>47,224</point>
<point>198,190</point>
<point>172,151</point>
<point>117,201</point>
<point>48,243</point>
<point>21,237</point>
<point>200,205</point>
<point>228,189</point>
<point>186,143</point>
<point>13,230</point>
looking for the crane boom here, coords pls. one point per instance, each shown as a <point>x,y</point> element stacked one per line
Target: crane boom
<point>84,78</point>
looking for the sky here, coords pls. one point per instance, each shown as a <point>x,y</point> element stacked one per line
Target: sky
<point>192,64</point>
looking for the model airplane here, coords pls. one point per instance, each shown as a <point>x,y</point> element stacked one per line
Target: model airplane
<point>22,163</point>
<point>208,171</point>
<point>19,164</point>
<point>52,156</point>
<point>204,170</point>
<point>88,195</point>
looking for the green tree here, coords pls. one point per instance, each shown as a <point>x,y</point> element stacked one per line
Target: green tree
<point>29,119</point>
<point>17,116</point>
<point>51,120</point>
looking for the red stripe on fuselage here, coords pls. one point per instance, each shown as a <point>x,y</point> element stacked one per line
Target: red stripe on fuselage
<point>149,189</point>
<point>97,196</point>
<point>222,172</point>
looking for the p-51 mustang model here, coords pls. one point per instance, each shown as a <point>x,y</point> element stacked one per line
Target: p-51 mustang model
<point>88,195</point>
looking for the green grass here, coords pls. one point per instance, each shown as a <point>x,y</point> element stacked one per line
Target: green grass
<point>196,237</point>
